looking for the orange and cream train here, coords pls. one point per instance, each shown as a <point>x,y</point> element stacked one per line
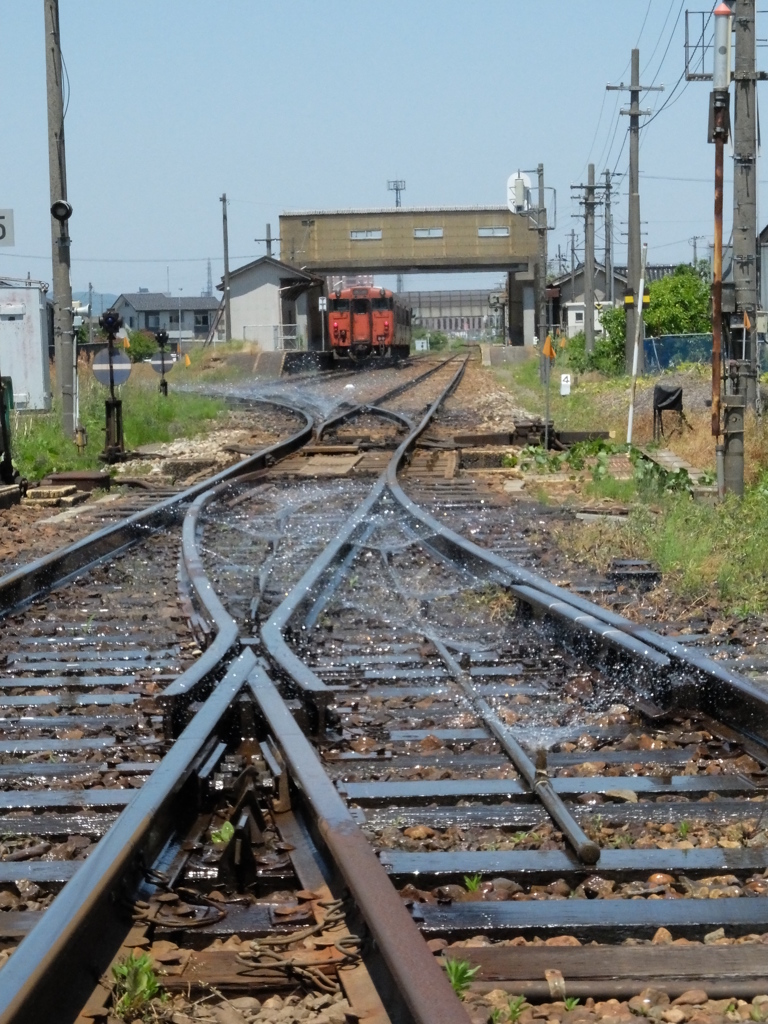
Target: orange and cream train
<point>365,322</point>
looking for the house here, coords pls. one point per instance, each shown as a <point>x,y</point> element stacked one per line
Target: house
<point>186,318</point>
<point>565,297</point>
<point>276,305</point>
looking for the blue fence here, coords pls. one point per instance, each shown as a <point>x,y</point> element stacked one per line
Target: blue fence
<point>672,349</point>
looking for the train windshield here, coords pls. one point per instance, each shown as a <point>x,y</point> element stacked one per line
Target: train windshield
<point>380,304</point>
<point>360,305</point>
<point>340,305</point>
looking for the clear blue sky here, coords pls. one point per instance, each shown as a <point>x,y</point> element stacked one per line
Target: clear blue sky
<point>302,104</point>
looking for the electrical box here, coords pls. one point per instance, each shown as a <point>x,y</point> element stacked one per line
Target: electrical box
<point>24,342</point>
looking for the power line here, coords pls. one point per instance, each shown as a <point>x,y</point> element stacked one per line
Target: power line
<point>153,259</point>
<point>661,34</point>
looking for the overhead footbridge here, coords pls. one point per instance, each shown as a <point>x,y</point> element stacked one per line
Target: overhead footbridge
<point>409,240</point>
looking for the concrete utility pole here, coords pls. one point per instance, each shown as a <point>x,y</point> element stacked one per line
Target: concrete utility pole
<point>227,308</point>
<point>573,264</point>
<point>589,260</point>
<point>90,313</point>
<point>63,330</point>
<point>541,289</point>
<point>633,241</point>
<point>608,222</point>
<point>745,194</point>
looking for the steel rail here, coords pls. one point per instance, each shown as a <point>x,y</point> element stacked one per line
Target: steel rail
<point>307,589</point>
<point>64,955</point>
<point>23,585</point>
<point>419,982</point>
<point>394,392</point>
<point>670,666</point>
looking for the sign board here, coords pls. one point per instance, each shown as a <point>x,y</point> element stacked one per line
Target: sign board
<point>6,227</point>
<point>497,299</point>
<point>322,303</point>
<point>565,383</point>
<point>162,362</point>
<point>121,367</point>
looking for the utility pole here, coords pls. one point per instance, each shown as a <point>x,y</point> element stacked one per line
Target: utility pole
<point>63,330</point>
<point>90,313</point>
<point>590,201</point>
<point>745,194</point>
<point>227,308</point>
<point>397,186</point>
<point>541,291</point>
<point>633,241</point>
<point>608,225</point>
<point>694,242</point>
<point>573,264</point>
<point>589,260</point>
<point>268,239</point>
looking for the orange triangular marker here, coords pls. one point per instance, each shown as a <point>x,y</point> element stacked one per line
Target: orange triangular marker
<point>747,322</point>
<point>126,343</point>
<point>187,361</point>
<point>548,351</point>
<point>563,341</point>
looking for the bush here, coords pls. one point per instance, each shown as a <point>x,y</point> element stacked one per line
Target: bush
<point>143,346</point>
<point>437,340</point>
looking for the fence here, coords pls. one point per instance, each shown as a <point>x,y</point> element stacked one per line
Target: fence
<point>670,350</point>
<point>277,337</point>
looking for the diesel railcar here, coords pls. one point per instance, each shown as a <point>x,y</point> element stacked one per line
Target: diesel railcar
<point>368,322</point>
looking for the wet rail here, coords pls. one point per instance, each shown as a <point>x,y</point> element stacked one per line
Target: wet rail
<point>415,738</point>
<point>89,761</point>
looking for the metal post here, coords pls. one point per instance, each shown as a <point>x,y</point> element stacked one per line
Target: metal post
<point>269,239</point>
<point>609,282</point>
<point>63,332</point>
<point>745,186</point>
<point>90,313</point>
<point>227,309</point>
<point>589,260</point>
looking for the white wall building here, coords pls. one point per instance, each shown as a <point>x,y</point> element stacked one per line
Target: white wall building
<point>186,318</point>
<point>24,342</point>
<point>275,305</point>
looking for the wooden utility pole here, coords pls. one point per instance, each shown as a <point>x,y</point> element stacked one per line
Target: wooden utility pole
<point>227,308</point>
<point>633,239</point>
<point>63,330</point>
<point>589,260</point>
<point>745,194</point>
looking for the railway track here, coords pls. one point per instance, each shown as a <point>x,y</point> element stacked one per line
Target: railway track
<point>391,734</point>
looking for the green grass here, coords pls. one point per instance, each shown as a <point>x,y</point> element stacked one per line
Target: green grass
<point>39,446</point>
<point>610,487</point>
<point>703,556</point>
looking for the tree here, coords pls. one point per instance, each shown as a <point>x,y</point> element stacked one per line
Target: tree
<point>143,346</point>
<point>679,304</point>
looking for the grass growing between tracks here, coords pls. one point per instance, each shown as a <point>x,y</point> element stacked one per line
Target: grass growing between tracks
<point>711,556</point>
<point>40,447</point>
<point>705,561</point>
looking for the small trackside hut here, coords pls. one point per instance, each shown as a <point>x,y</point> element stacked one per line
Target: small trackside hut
<point>365,322</point>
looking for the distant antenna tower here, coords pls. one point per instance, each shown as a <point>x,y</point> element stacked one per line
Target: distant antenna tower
<point>209,282</point>
<point>397,186</point>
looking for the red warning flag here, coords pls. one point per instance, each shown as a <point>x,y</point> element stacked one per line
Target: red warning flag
<point>747,322</point>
